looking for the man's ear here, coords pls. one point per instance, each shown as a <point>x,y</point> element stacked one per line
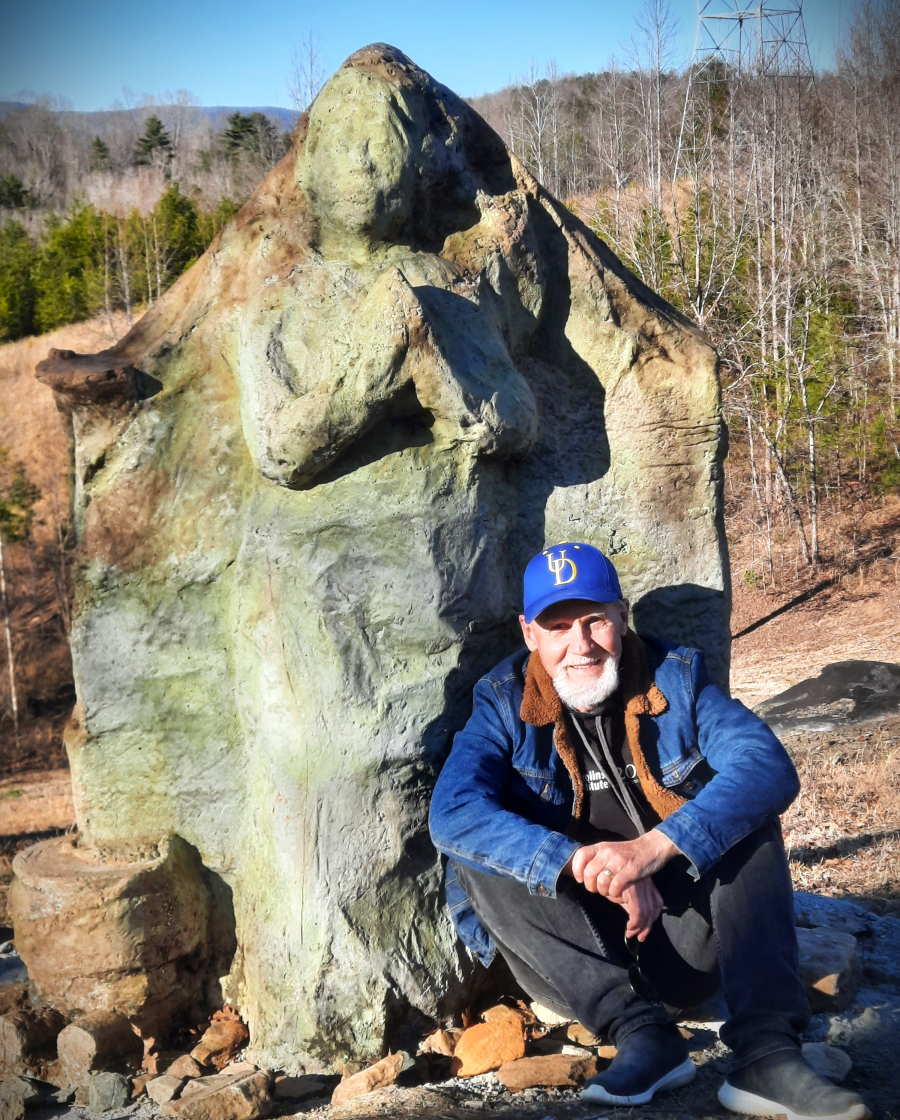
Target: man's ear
<point>625,606</point>
<point>527,633</point>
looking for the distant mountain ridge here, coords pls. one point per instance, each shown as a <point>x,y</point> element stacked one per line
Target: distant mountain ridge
<point>216,115</point>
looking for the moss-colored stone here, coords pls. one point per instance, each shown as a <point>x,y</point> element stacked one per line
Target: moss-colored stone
<point>402,370</point>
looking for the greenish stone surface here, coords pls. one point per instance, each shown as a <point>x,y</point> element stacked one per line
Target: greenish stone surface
<point>401,371</point>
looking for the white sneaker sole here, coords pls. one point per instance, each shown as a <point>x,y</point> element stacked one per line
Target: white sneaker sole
<point>749,1104</point>
<point>674,1079</point>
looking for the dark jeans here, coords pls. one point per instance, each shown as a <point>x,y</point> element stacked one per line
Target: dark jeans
<point>733,928</point>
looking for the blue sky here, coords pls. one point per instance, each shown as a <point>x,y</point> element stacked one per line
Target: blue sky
<point>232,53</point>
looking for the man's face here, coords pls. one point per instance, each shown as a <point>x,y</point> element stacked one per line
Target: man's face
<point>575,640</point>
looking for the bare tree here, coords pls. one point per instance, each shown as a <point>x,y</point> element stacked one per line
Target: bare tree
<point>307,75</point>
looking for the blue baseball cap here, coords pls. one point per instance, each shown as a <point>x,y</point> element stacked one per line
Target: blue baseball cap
<point>573,570</point>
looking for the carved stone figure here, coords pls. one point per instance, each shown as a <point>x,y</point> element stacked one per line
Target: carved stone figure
<point>306,485</point>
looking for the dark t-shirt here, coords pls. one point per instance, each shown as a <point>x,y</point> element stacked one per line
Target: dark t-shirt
<point>606,817</point>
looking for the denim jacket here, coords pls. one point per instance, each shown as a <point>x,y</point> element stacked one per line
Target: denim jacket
<point>504,799</point>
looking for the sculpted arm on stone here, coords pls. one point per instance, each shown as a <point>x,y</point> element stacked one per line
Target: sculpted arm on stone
<point>306,397</point>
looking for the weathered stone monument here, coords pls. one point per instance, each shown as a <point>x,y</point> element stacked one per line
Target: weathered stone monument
<point>307,482</point>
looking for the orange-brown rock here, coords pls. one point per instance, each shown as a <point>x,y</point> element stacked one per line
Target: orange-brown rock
<point>25,1034</point>
<point>501,1011</point>
<point>379,1076</point>
<point>139,1084</point>
<point>165,1088</point>
<point>96,1042</point>
<point>439,1042</point>
<point>220,1043</point>
<point>239,1096</point>
<point>184,1066</point>
<point>233,1073</point>
<point>581,1036</point>
<point>13,997</point>
<point>556,1069</point>
<point>488,1046</point>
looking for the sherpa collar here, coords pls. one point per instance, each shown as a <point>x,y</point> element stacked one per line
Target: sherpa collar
<point>541,705</point>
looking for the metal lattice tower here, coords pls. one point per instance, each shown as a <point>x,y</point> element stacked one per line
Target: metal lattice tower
<point>737,40</point>
<point>768,37</point>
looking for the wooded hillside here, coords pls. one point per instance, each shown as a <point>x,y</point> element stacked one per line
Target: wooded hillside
<point>765,206</point>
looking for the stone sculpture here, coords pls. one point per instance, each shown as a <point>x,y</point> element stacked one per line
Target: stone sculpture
<point>306,484</point>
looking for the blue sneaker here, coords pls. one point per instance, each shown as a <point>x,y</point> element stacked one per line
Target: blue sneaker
<point>650,1059</point>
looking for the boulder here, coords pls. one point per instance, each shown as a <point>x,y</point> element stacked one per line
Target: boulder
<point>306,485</point>
<point>829,967</point>
<point>239,1096</point>
<point>378,1076</point>
<point>96,1042</point>
<point>107,1091</point>
<point>827,1060</point>
<point>845,692</point>
<point>124,927</point>
<point>488,1046</point>
<point>559,1070</point>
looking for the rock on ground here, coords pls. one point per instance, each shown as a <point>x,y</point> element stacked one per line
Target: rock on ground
<point>95,1042</point>
<point>488,1046</point>
<point>829,966</point>
<point>240,1096</point>
<point>526,1073</point>
<point>220,1043</point>
<point>107,1091</point>
<point>378,1076</point>
<point>827,1060</point>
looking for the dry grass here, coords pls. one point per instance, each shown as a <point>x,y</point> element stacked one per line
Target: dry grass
<point>842,831</point>
<point>32,807</point>
<point>856,618</point>
<point>30,425</point>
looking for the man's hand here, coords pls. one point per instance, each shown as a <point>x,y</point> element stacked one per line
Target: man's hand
<point>643,904</point>
<point>630,861</point>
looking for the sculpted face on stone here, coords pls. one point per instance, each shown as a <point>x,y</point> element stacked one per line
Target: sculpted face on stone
<point>306,485</point>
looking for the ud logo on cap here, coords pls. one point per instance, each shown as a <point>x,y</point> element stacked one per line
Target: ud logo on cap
<point>557,566</point>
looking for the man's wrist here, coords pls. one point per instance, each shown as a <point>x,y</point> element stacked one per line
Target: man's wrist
<point>663,846</point>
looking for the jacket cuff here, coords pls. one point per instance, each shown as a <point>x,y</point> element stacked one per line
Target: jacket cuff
<point>691,840</point>
<point>552,857</point>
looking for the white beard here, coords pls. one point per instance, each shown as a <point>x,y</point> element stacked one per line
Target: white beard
<point>587,695</point>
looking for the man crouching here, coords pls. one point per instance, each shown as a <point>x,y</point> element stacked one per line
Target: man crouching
<point>611,822</point>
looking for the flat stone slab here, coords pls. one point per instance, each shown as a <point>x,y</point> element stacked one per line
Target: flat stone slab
<point>845,692</point>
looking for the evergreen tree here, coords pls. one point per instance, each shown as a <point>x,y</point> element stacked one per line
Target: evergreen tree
<point>68,272</point>
<point>18,256</point>
<point>99,155</point>
<point>252,134</point>
<point>154,144</point>
<point>13,193</point>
